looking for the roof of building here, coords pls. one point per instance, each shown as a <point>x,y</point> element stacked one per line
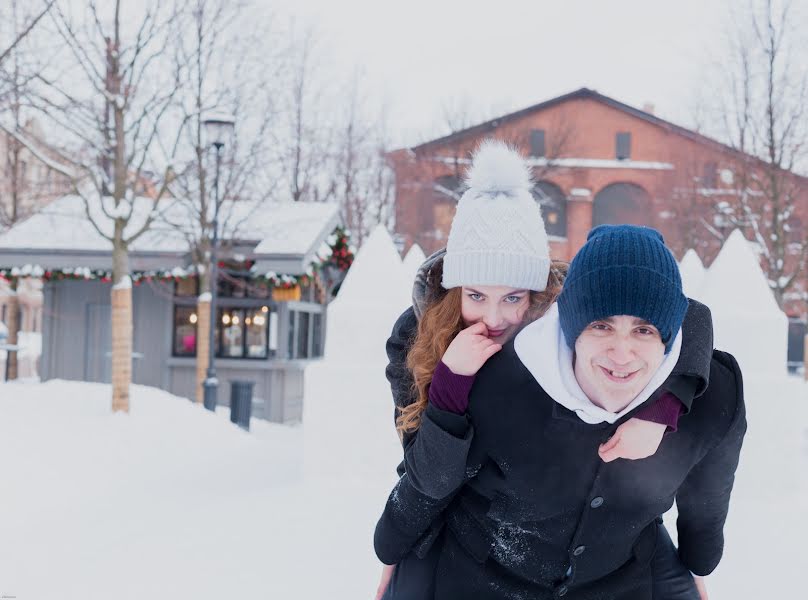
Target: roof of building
<point>580,94</point>
<point>281,237</point>
<point>583,93</point>
<point>39,149</point>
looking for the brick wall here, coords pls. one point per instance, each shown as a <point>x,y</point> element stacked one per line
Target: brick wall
<point>676,176</point>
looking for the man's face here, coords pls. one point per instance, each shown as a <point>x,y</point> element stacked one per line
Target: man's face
<point>500,308</point>
<point>616,358</point>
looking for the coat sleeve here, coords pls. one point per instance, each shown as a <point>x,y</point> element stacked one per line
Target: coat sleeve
<point>703,498</point>
<point>435,454</point>
<point>398,345</point>
<point>435,470</point>
<point>691,374</point>
<point>434,457</point>
<point>407,517</point>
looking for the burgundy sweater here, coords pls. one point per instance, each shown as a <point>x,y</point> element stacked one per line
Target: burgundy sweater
<point>450,392</point>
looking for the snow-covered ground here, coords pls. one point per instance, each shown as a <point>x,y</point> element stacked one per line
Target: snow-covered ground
<point>172,501</point>
<point>765,555</point>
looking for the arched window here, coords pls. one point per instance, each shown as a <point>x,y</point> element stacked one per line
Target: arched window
<point>553,207</point>
<point>620,203</point>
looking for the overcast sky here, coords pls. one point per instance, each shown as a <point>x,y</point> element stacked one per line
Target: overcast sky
<point>495,57</point>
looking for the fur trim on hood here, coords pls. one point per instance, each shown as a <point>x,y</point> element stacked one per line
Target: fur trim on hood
<point>427,286</point>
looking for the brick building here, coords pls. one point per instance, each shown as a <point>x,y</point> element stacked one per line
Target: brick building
<point>596,160</point>
<point>32,174</point>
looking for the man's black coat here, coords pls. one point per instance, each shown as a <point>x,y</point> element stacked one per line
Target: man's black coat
<point>539,515</point>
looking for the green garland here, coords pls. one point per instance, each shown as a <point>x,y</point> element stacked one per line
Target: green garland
<point>336,252</point>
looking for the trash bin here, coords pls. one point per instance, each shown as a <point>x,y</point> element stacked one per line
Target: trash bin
<point>241,403</point>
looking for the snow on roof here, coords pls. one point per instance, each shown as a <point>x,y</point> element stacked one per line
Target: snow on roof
<point>693,272</point>
<point>284,228</point>
<point>290,227</point>
<point>584,163</point>
<point>31,146</point>
<point>63,225</point>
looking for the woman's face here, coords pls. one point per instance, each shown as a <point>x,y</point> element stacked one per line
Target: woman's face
<point>500,308</point>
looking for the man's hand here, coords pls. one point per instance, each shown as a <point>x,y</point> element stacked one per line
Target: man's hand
<point>701,586</point>
<point>469,350</point>
<point>633,440</point>
<point>387,574</point>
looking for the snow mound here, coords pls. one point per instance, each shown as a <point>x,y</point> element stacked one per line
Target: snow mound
<point>693,273</point>
<point>376,272</point>
<point>374,293</point>
<point>412,261</point>
<point>348,424</point>
<point>348,407</point>
<point>746,319</point>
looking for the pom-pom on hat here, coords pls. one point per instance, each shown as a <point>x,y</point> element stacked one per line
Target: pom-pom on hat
<point>497,235</point>
<point>623,270</point>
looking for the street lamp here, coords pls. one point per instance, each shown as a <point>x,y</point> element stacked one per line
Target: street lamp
<point>218,128</point>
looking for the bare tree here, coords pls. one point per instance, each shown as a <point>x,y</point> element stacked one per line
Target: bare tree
<point>213,36</point>
<point>27,165</point>
<point>20,33</point>
<point>764,119</point>
<point>303,135</point>
<point>22,188</point>
<point>458,113</point>
<point>363,182</point>
<point>116,106</point>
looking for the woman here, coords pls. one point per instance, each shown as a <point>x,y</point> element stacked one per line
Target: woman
<point>494,277</point>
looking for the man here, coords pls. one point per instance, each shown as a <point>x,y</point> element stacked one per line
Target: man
<point>539,515</point>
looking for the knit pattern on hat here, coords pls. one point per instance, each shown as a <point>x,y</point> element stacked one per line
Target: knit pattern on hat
<point>497,235</point>
<point>623,270</point>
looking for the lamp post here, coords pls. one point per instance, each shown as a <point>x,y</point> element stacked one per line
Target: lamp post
<point>217,129</point>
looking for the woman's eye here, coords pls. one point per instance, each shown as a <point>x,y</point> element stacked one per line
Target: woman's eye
<point>476,297</point>
<point>646,331</point>
<point>600,326</point>
<point>512,299</point>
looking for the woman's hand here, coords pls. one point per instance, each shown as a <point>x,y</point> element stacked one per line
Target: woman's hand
<point>469,350</point>
<point>701,586</point>
<point>633,440</point>
<point>387,574</point>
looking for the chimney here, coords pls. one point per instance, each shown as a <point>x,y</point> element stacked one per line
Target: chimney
<point>648,107</point>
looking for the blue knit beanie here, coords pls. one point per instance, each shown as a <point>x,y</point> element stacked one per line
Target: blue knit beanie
<point>623,270</point>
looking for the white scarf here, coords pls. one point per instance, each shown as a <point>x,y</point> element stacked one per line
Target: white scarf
<point>543,350</point>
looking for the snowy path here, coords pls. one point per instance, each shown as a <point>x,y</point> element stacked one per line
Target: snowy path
<point>173,502</point>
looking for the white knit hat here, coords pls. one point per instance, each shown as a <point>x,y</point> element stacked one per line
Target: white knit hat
<point>497,236</point>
